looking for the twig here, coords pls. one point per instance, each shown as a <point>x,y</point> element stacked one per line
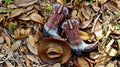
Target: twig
<point>95,21</point>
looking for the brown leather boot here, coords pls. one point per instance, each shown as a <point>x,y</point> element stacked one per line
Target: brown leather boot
<point>58,14</point>
<point>71,29</point>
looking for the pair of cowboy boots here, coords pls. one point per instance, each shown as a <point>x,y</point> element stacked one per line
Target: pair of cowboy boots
<point>70,27</point>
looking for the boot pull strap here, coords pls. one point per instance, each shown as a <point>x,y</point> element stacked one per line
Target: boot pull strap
<point>61,7</point>
<point>70,24</point>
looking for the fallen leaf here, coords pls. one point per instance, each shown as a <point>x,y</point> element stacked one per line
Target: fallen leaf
<point>7,40</point>
<point>84,35</point>
<point>15,46</point>
<point>21,33</point>
<point>28,64</point>
<point>85,14</point>
<point>37,18</point>
<point>111,6</point>
<point>110,64</point>
<point>95,7</point>
<point>31,40</point>
<point>32,58</point>
<point>94,55</point>
<point>61,1</point>
<point>118,4</point>
<point>1,40</point>
<point>99,34</point>
<point>74,14</point>
<point>84,63</point>
<point>22,3</point>
<point>57,65</point>
<point>16,12</point>
<point>33,49</point>
<point>101,2</point>
<point>113,52</point>
<point>8,64</point>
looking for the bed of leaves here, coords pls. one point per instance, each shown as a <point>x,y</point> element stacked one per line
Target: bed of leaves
<point>21,25</point>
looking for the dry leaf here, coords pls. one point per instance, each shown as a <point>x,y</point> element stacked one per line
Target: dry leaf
<point>61,1</point>
<point>111,6</point>
<point>15,46</point>
<point>1,40</point>
<point>76,2</point>
<point>82,62</point>
<point>84,35</point>
<point>57,65</point>
<point>101,2</point>
<point>96,8</point>
<point>80,16</point>
<point>22,3</point>
<point>118,4</point>
<point>110,64</point>
<point>37,18</point>
<point>99,34</point>
<point>31,40</point>
<point>7,39</point>
<point>8,64</point>
<point>33,49</point>
<point>21,33</point>
<point>113,52</point>
<point>85,14</point>
<point>27,62</point>
<point>74,14</point>
<point>94,55</point>
<point>32,58</point>
<point>16,12</point>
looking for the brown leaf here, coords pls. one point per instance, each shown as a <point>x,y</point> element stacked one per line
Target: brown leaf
<point>1,40</point>
<point>32,58</point>
<point>22,3</point>
<point>74,14</point>
<point>94,55</point>
<point>16,12</point>
<point>15,46</point>
<point>118,4</point>
<point>37,18</point>
<point>61,1</point>
<point>21,33</point>
<point>99,34</point>
<point>27,62</point>
<point>31,40</point>
<point>101,2</point>
<point>8,42</point>
<point>84,63</point>
<point>57,65</point>
<point>33,49</point>
<point>110,64</point>
<point>111,6</point>
<point>8,64</point>
<point>96,8</point>
<point>84,35</point>
<point>85,14</point>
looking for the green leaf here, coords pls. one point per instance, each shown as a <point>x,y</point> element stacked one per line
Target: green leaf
<point>117,13</point>
<point>5,10</point>
<point>12,25</point>
<point>90,1</point>
<point>8,1</point>
<point>48,8</point>
<point>118,43</point>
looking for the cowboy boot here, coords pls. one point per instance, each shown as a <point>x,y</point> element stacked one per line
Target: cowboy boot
<point>72,33</point>
<point>58,14</point>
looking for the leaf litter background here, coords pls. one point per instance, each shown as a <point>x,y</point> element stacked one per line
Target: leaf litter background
<point>21,24</point>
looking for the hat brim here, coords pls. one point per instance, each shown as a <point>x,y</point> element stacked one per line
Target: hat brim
<point>46,42</point>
